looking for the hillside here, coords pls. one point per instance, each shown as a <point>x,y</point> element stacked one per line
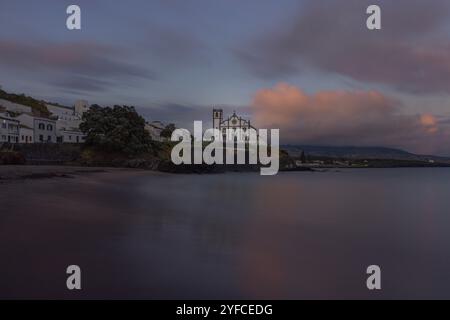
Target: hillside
<point>359,153</point>
<point>38,107</point>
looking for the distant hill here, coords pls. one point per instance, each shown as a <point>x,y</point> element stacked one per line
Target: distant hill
<point>359,153</point>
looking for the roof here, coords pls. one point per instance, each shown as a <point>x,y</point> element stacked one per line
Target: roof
<point>8,118</point>
<point>59,106</point>
<point>156,124</point>
<point>72,130</point>
<point>36,117</point>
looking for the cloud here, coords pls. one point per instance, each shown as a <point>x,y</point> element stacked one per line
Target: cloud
<point>410,53</point>
<point>80,84</point>
<point>184,115</point>
<point>429,122</point>
<point>175,47</point>
<point>81,66</point>
<point>362,118</point>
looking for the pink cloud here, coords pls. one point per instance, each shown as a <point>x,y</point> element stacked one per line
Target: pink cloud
<point>345,118</point>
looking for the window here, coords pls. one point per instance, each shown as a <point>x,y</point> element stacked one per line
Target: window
<point>4,124</point>
<point>70,137</point>
<point>49,127</point>
<point>41,138</point>
<point>49,138</point>
<point>23,138</point>
<point>41,126</point>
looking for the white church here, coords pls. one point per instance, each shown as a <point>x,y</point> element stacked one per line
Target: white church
<point>234,122</point>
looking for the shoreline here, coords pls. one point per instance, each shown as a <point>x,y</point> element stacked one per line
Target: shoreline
<point>10,173</point>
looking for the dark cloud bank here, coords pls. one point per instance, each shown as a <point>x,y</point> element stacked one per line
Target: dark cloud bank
<point>410,53</point>
<point>79,66</point>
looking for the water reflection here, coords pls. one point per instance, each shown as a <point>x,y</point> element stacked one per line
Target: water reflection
<point>295,235</point>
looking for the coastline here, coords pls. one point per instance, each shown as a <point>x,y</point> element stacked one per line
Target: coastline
<point>9,173</point>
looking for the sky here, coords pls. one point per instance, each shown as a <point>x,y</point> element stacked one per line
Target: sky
<point>310,68</point>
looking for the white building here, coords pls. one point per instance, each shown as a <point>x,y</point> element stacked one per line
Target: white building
<point>14,107</point>
<point>233,123</point>
<point>155,128</point>
<point>81,106</point>
<point>62,126</point>
<point>70,136</point>
<point>9,129</point>
<point>63,113</point>
<point>26,134</point>
<point>68,121</point>
<point>44,129</point>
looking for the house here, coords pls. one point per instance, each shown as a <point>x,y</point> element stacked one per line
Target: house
<point>26,134</point>
<point>155,128</point>
<point>9,129</point>
<point>70,136</point>
<point>61,126</point>
<point>63,113</point>
<point>44,129</point>
<point>81,106</point>
<point>68,120</point>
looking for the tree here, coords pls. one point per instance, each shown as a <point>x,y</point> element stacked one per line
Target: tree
<point>119,128</point>
<point>167,131</point>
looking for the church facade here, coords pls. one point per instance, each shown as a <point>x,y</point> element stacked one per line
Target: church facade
<point>234,122</point>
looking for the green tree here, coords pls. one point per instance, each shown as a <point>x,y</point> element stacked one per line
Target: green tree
<point>167,131</point>
<point>119,128</point>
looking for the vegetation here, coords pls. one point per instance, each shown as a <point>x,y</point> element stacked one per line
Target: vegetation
<point>167,131</point>
<point>117,129</point>
<point>38,107</point>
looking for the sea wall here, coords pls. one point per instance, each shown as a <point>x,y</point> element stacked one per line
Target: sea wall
<point>79,155</point>
<point>51,153</point>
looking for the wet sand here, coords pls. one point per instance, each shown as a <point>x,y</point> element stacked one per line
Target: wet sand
<point>19,172</point>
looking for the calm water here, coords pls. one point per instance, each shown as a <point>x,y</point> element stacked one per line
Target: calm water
<point>295,235</point>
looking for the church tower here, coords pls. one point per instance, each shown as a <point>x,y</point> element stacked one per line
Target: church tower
<point>217,118</point>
